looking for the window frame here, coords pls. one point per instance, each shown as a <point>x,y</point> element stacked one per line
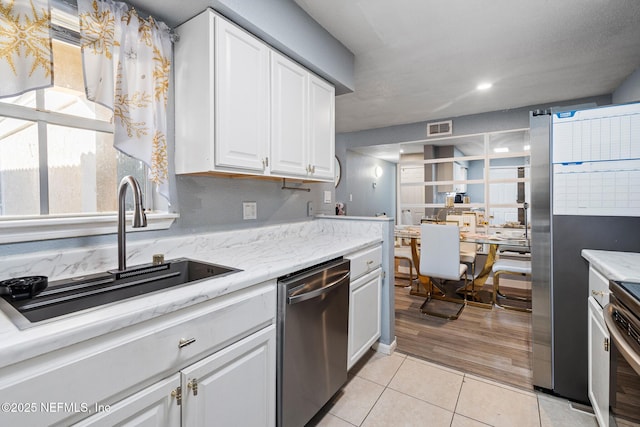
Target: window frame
<point>26,228</point>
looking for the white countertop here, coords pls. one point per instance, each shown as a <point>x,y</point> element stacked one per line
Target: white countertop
<point>267,257</point>
<point>615,265</point>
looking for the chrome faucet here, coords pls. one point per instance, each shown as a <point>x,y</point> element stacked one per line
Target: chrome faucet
<point>139,217</point>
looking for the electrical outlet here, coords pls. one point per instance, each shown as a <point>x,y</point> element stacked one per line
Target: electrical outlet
<point>309,208</point>
<point>249,210</point>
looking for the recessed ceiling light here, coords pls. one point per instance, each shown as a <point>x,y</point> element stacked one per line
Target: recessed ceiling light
<point>402,150</point>
<point>484,86</point>
<point>527,147</point>
<point>501,150</point>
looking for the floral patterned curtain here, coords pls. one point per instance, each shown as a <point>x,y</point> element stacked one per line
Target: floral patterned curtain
<point>25,46</point>
<point>126,62</point>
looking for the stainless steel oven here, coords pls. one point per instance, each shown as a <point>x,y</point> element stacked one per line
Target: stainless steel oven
<point>622,317</point>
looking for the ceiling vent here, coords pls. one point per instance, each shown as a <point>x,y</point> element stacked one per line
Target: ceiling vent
<point>440,128</point>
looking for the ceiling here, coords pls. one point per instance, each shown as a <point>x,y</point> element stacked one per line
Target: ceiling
<point>421,60</point>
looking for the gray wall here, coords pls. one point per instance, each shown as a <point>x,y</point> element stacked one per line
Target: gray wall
<point>629,90</point>
<point>367,200</point>
<point>476,191</point>
<point>211,204</point>
<point>464,125</point>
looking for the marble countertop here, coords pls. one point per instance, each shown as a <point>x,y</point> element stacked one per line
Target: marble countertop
<point>615,265</point>
<point>260,260</point>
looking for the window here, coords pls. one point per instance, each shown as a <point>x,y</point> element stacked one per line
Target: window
<point>56,147</point>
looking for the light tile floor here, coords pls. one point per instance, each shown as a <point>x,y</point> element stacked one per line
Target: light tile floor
<point>400,390</point>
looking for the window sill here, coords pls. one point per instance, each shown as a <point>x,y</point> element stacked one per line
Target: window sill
<point>46,228</point>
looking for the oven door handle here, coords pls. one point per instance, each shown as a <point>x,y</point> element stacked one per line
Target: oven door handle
<point>630,355</point>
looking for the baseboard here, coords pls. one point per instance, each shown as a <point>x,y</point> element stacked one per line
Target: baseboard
<point>385,348</point>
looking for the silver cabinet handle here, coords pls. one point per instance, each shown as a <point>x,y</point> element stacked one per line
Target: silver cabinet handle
<point>185,342</point>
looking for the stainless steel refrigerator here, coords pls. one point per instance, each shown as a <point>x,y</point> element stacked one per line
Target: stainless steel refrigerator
<point>577,202</point>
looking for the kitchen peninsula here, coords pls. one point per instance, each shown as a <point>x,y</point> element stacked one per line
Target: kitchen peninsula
<point>127,339</point>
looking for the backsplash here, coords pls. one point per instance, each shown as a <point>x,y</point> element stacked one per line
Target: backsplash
<point>64,263</point>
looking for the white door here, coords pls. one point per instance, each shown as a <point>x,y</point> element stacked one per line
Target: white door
<point>289,127</point>
<point>364,315</point>
<point>151,407</point>
<point>598,363</point>
<point>411,194</point>
<point>322,128</point>
<point>242,98</point>
<point>235,386</point>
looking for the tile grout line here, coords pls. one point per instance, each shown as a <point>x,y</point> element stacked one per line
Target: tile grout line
<point>386,386</point>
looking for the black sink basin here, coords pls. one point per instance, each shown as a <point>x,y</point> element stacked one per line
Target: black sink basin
<point>79,293</point>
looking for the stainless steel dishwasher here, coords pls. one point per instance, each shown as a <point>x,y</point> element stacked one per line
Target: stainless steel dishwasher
<point>313,323</point>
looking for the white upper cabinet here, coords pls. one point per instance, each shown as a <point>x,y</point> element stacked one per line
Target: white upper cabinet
<point>289,112</point>
<point>222,97</point>
<point>302,121</point>
<point>243,108</point>
<point>194,95</point>
<point>321,128</point>
<point>242,98</point>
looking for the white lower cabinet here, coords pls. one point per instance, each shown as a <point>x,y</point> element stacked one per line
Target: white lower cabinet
<point>154,406</point>
<point>365,299</point>
<point>134,375</point>
<point>599,363</point>
<point>598,346</point>
<point>364,315</point>
<point>214,391</point>
<point>234,387</point>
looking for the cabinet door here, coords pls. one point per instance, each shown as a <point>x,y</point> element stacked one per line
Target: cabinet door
<point>242,98</point>
<point>322,128</point>
<point>194,95</point>
<point>289,130</point>
<point>364,315</point>
<point>235,386</point>
<point>598,363</point>
<point>153,406</point>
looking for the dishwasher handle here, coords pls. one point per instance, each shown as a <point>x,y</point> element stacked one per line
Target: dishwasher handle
<point>317,292</point>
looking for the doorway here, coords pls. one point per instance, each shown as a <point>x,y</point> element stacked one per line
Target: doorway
<point>491,343</point>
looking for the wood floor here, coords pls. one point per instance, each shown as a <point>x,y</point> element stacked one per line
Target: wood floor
<point>492,343</point>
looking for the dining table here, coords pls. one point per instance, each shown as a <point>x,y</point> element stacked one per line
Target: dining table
<point>505,239</point>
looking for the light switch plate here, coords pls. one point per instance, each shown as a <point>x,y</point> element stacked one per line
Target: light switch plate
<point>249,210</point>
<point>327,196</point>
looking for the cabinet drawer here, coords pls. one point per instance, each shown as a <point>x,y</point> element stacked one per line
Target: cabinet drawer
<point>107,368</point>
<point>598,287</point>
<point>365,261</point>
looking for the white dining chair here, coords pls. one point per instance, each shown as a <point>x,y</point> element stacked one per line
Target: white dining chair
<point>468,251</point>
<point>440,261</point>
